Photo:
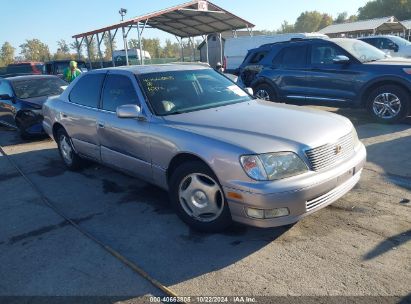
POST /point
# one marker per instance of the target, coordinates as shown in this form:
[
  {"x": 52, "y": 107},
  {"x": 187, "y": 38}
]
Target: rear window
[
  {"x": 294, "y": 56},
  {"x": 25, "y": 68},
  {"x": 87, "y": 90},
  {"x": 31, "y": 88}
]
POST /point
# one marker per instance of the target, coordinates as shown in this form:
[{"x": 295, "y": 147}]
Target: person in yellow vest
[{"x": 71, "y": 72}]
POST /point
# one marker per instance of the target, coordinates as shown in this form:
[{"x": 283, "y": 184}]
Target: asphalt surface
[{"x": 358, "y": 246}]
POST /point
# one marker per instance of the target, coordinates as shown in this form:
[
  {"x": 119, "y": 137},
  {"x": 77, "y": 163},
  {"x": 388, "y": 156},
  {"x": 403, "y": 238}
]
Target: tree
[
  {"x": 308, "y": 22},
  {"x": 325, "y": 21},
  {"x": 63, "y": 50},
  {"x": 133, "y": 44},
  {"x": 382, "y": 8},
  {"x": 107, "y": 52},
  {"x": 35, "y": 50},
  {"x": 171, "y": 50},
  {"x": 341, "y": 18},
  {"x": 286, "y": 28},
  {"x": 7, "y": 53}
]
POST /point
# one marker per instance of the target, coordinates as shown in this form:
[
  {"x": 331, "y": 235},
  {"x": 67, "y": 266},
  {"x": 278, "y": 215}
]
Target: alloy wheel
[
  {"x": 386, "y": 105},
  {"x": 262, "y": 94},
  {"x": 66, "y": 149}
]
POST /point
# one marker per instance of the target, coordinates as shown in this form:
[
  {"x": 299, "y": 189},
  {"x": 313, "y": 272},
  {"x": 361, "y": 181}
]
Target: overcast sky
[{"x": 52, "y": 20}]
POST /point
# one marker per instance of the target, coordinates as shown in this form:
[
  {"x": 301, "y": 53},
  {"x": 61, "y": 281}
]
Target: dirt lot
[{"x": 359, "y": 246}]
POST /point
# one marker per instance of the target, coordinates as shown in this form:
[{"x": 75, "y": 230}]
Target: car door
[
  {"x": 330, "y": 81},
  {"x": 7, "y": 106},
  {"x": 289, "y": 71},
  {"x": 79, "y": 115},
  {"x": 124, "y": 141}
]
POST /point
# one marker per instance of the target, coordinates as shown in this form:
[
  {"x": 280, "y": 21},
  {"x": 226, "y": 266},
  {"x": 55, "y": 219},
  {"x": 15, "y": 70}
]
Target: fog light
[
  {"x": 255, "y": 213},
  {"x": 276, "y": 212}
]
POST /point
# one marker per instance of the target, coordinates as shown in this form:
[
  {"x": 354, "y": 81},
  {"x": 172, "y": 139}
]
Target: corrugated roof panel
[
  {"x": 407, "y": 24},
  {"x": 363, "y": 25}
]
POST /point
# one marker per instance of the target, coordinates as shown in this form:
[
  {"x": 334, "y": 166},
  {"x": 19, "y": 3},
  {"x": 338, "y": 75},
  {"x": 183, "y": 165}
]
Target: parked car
[
  {"x": 21, "y": 100},
  {"x": 390, "y": 44},
  {"x": 24, "y": 68},
  {"x": 338, "y": 72},
  {"x": 220, "y": 153},
  {"x": 57, "y": 67},
  {"x": 235, "y": 49}
]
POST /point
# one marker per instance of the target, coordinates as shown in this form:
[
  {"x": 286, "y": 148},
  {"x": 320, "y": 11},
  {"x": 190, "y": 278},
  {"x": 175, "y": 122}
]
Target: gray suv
[{"x": 220, "y": 153}]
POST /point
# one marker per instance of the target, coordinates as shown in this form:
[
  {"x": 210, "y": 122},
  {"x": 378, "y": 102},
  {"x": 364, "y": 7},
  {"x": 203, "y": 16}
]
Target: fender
[
  {"x": 390, "y": 79},
  {"x": 264, "y": 80}
]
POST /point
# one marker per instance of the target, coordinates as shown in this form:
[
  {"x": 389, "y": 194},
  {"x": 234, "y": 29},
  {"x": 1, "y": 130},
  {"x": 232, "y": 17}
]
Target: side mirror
[
  {"x": 129, "y": 111},
  {"x": 250, "y": 91},
  {"x": 6, "y": 97},
  {"x": 341, "y": 59}
]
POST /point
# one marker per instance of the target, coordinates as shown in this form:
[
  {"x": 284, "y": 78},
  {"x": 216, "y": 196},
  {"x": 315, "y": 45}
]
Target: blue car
[
  {"x": 22, "y": 98},
  {"x": 337, "y": 72}
]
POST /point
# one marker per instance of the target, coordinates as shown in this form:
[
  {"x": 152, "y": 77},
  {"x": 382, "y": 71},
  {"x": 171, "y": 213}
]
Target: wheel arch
[
  {"x": 181, "y": 158},
  {"x": 264, "y": 80},
  {"x": 380, "y": 82},
  {"x": 57, "y": 126}
]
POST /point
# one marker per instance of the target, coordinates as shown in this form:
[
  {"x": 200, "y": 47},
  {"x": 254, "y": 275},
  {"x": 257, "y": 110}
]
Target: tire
[
  {"x": 198, "y": 198},
  {"x": 265, "y": 92},
  {"x": 70, "y": 158},
  {"x": 388, "y": 104}
]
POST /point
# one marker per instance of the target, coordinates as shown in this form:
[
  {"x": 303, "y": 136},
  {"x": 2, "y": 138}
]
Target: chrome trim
[
  {"x": 326, "y": 98},
  {"x": 8, "y": 125}
]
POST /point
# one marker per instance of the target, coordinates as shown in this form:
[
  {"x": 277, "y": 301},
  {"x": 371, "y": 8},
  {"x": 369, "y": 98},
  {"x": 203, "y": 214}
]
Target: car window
[
  {"x": 176, "y": 92},
  {"x": 372, "y": 41},
  {"x": 257, "y": 57},
  {"x": 324, "y": 54},
  {"x": 37, "y": 87},
  {"x": 387, "y": 44},
  {"x": 295, "y": 56},
  {"x": 87, "y": 90},
  {"x": 5, "y": 88},
  {"x": 118, "y": 90}
]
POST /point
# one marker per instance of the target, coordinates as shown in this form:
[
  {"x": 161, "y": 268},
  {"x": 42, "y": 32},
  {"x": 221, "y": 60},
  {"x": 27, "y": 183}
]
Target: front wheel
[
  {"x": 67, "y": 153},
  {"x": 264, "y": 92},
  {"x": 389, "y": 104},
  {"x": 198, "y": 198}
]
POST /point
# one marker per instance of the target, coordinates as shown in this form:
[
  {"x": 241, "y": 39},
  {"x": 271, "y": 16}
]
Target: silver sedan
[{"x": 222, "y": 155}]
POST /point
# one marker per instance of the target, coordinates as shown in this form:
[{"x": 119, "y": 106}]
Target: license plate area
[{"x": 346, "y": 176}]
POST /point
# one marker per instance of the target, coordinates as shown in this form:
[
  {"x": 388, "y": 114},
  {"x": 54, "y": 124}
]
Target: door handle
[
  {"x": 64, "y": 115},
  {"x": 101, "y": 125}
]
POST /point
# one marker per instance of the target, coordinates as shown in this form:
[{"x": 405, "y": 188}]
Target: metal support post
[
  {"x": 207, "y": 54},
  {"x": 221, "y": 48},
  {"x": 88, "y": 42},
  {"x": 110, "y": 38},
  {"x": 139, "y": 44},
  {"x": 125, "y": 44},
  {"x": 99, "y": 40}
]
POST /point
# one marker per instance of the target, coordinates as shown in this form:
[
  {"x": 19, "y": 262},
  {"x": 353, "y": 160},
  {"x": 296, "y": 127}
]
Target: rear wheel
[
  {"x": 198, "y": 197},
  {"x": 67, "y": 153},
  {"x": 265, "y": 92},
  {"x": 388, "y": 104}
]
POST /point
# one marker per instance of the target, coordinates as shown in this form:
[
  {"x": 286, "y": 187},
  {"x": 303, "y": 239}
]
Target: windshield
[
  {"x": 176, "y": 92},
  {"x": 360, "y": 49},
  {"x": 30, "y": 88},
  {"x": 399, "y": 40}
]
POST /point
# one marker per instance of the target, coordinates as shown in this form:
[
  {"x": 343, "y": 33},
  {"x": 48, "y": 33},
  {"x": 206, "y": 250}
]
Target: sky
[{"x": 52, "y": 20}]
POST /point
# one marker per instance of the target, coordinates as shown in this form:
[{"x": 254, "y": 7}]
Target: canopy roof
[
  {"x": 379, "y": 24},
  {"x": 194, "y": 18},
  {"x": 407, "y": 24}
]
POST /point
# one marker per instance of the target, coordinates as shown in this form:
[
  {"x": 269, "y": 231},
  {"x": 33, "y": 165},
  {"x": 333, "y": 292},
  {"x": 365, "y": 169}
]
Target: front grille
[
  {"x": 334, "y": 194},
  {"x": 326, "y": 156}
]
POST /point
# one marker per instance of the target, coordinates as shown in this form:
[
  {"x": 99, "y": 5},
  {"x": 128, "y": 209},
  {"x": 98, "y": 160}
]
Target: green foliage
[
  {"x": 63, "y": 51},
  {"x": 6, "y": 54},
  {"x": 35, "y": 50},
  {"x": 383, "y": 8},
  {"x": 312, "y": 21},
  {"x": 107, "y": 52}
]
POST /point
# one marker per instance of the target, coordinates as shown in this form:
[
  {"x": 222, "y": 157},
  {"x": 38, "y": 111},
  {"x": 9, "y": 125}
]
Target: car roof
[
  {"x": 156, "y": 68},
  {"x": 64, "y": 60},
  {"x": 292, "y": 41},
  {"x": 378, "y": 36},
  {"x": 25, "y": 63},
  {"x": 29, "y": 77}
]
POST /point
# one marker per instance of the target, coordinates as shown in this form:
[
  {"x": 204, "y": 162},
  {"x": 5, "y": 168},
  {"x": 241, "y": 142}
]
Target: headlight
[{"x": 272, "y": 166}]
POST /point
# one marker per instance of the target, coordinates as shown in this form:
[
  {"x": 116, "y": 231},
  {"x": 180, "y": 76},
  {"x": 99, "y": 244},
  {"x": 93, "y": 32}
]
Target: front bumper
[{"x": 308, "y": 195}]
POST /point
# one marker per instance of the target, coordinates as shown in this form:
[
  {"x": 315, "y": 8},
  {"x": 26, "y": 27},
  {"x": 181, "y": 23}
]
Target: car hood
[
  {"x": 260, "y": 126},
  {"x": 392, "y": 61},
  {"x": 37, "y": 102}
]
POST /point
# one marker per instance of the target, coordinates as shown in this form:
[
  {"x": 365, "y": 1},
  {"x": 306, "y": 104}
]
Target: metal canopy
[{"x": 190, "y": 19}]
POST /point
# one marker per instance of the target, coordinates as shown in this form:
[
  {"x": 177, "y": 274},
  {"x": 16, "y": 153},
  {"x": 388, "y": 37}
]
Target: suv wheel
[
  {"x": 198, "y": 198},
  {"x": 389, "y": 104},
  {"x": 264, "y": 92},
  {"x": 67, "y": 153}
]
